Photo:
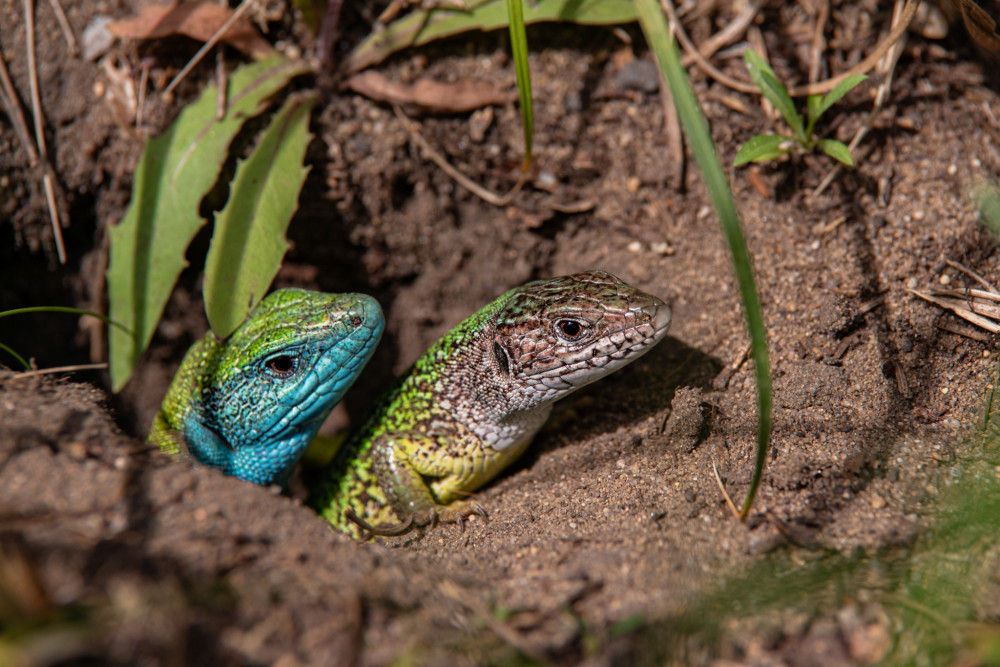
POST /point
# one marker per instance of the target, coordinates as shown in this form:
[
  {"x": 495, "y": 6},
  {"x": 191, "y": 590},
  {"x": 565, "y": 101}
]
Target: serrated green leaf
[
  {"x": 759, "y": 148},
  {"x": 423, "y": 26},
  {"x": 175, "y": 172},
  {"x": 838, "y": 92},
  {"x": 764, "y": 78},
  {"x": 248, "y": 241},
  {"x": 837, "y": 150}
]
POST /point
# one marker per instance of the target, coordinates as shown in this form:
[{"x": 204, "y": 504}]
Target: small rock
[{"x": 638, "y": 75}]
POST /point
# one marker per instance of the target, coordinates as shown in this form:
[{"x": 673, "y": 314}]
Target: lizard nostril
[{"x": 356, "y": 321}]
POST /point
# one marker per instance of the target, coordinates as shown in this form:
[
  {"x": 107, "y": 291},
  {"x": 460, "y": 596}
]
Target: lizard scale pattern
[
  {"x": 249, "y": 405},
  {"x": 471, "y": 404}
]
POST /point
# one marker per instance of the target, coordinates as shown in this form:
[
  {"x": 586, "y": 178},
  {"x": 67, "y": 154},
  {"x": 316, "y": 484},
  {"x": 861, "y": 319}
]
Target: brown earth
[{"x": 112, "y": 553}]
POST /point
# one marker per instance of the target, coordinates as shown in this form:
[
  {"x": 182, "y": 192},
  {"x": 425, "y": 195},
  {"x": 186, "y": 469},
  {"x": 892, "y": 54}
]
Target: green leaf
[
  {"x": 986, "y": 196},
  {"x": 175, "y": 172},
  {"x": 813, "y": 111},
  {"x": 519, "y": 48},
  {"x": 838, "y": 92},
  {"x": 249, "y": 237},
  {"x": 764, "y": 78},
  {"x": 654, "y": 27},
  {"x": 837, "y": 150},
  {"x": 760, "y": 148},
  {"x": 423, "y": 26}
]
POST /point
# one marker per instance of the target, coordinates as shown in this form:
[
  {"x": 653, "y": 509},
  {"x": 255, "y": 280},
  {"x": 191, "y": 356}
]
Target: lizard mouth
[{"x": 661, "y": 320}]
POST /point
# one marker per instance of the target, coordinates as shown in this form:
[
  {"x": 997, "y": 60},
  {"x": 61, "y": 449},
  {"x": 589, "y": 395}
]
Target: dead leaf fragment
[
  {"x": 197, "y": 20},
  {"x": 430, "y": 95}
]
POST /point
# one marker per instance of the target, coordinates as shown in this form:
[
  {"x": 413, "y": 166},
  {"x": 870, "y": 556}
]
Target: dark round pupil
[
  {"x": 570, "y": 328},
  {"x": 282, "y": 364}
]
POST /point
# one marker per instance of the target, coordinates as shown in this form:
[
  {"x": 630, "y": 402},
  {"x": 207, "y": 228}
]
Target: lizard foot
[{"x": 457, "y": 513}]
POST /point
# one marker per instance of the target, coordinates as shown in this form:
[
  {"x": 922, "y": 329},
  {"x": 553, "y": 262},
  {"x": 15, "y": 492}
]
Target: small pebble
[
  {"x": 945, "y": 279},
  {"x": 635, "y": 246},
  {"x": 952, "y": 169}
]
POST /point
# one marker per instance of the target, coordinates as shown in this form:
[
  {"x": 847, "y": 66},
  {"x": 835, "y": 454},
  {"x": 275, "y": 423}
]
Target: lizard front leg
[{"x": 422, "y": 481}]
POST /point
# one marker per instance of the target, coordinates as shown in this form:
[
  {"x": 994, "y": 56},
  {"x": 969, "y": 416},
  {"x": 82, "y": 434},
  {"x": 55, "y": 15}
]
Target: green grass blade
[
  {"x": 423, "y": 26},
  {"x": 65, "y": 309},
  {"x": 17, "y": 356},
  {"x": 519, "y": 47},
  {"x": 837, "y": 150},
  {"x": 760, "y": 147},
  {"x": 986, "y": 196},
  {"x": 175, "y": 172},
  {"x": 249, "y": 237},
  {"x": 764, "y": 78},
  {"x": 654, "y": 27}
]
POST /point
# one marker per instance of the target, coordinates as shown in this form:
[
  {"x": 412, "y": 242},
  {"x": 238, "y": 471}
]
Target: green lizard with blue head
[
  {"x": 250, "y": 404},
  {"x": 472, "y": 403}
]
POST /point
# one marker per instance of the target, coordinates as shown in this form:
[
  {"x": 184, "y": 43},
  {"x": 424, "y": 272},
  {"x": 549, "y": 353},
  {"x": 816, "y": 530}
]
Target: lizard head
[
  {"x": 268, "y": 387},
  {"x": 552, "y": 337}
]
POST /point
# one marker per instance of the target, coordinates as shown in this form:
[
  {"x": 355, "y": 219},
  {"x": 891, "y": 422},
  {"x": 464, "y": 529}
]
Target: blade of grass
[
  {"x": 14, "y": 354},
  {"x": 654, "y": 27},
  {"x": 66, "y": 309},
  {"x": 519, "y": 47}
]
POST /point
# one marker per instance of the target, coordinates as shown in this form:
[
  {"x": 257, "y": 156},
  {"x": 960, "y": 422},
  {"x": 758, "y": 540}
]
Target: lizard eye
[
  {"x": 570, "y": 330},
  {"x": 281, "y": 365}
]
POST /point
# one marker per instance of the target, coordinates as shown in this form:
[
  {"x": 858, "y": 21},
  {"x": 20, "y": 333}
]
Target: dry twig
[
  {"x": 36, "y": 112},
  {"x": 67, "y": 31},
  {"x": 888, "y": 68},
  {"x": 459, "y": 177},
  {"x": 809, "y": 89},
  {"x": 196, "y": 58}
]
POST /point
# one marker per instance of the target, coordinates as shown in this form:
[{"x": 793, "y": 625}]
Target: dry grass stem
[
  {"x": 976, "y": 306},
  {"x": 39, "y": 120},
  {"x": 459, "y": 177},
  {"x": 887, "y": 68},
  {"x": 810, "y": 89},
  {"x": 725, "y": 494},
  {"x": 818, "y": 42},
  {"x": 12, "y": 105},
  {"x": 67, "y": 31},
  {"x": 196, "y": 58},
  {"x": 975, "y": 276},
  {"x": 60, "y": 369}
]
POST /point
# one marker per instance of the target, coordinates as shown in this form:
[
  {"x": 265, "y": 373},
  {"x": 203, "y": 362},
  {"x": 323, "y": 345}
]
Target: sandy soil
[{"x": 612, "y": 524}]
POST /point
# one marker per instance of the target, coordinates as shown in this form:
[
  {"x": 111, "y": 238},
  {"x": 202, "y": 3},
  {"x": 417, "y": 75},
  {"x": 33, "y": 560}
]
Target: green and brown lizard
[
  {"x": 249, "y": 404},
  {"x": 472, "y": 403}
]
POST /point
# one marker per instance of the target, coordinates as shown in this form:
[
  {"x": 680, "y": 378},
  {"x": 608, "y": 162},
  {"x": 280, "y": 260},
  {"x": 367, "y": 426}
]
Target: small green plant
[
  {"x": 763, "y": 147},
  {"x": 176, "y": 171}
]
